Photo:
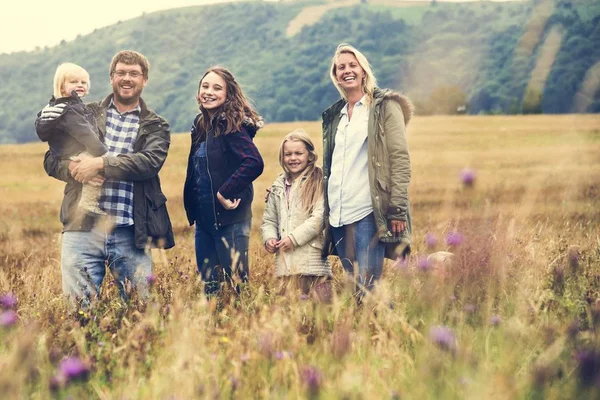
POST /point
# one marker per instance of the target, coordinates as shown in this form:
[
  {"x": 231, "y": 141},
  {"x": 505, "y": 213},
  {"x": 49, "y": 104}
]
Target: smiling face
[
  {"x": 127, "y": 82},
  {"x": 348, "y": 72},
  {"x": 295, "y": 158},
  {"x": 78, "y": 83},
  {"x": 212, "y": 92}
]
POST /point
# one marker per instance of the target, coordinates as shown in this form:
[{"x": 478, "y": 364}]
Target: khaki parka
[{"x": 389, "y": 166}]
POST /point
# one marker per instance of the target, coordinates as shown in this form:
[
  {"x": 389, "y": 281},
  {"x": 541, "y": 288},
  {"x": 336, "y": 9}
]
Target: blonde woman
[
  {"x": 366, "y": 167},
  {"x": 293, "y": 220}
]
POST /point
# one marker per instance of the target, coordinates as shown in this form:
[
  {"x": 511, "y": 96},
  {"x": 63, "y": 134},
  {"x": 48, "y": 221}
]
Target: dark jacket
[
  {"x": 388, "y": 168},
  {"x": 73, "y": 132},
  {"x": 233, "y": 164},
  {"x": 151, "y": 220}
]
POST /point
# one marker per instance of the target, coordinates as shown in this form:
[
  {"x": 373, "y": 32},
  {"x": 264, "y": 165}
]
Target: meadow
[{"x": 515, "y": 314}]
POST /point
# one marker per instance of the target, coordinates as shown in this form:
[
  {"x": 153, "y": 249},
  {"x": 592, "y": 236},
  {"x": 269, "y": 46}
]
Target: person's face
[
  {"x": 212, "y": 93},
  {"x": 77, "y": 83},
  {"x": 295, "y": 157},
  {"x": 128, "y": 82},
  {"x": 349, "y": 73}
]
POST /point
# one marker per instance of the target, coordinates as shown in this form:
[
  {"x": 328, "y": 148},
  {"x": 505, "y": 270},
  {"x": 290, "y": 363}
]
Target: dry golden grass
[{"x": 537, "y": 192}]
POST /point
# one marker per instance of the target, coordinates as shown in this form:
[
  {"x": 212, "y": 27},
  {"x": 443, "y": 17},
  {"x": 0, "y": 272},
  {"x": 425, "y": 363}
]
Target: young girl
[
  {"x": 293, "y": 220},
  {"x": 74, "y": 133},
  {"x": 222, "y": 165}
]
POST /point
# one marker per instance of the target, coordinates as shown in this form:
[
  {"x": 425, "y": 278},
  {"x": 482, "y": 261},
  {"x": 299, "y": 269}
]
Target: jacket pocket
[
  {"x": 157, "y": 217},
  {"x": 383, "y": 184}
]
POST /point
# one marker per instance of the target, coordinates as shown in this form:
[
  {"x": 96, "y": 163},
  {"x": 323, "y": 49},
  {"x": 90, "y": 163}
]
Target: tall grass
[{"x": 514, "y": 313}]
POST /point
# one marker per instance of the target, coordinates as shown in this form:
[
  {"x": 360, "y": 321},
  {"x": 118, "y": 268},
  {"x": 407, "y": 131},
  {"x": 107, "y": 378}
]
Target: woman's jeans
[
  {"x": 221, "y": 253},
  {"x": 360, "y": 250}
]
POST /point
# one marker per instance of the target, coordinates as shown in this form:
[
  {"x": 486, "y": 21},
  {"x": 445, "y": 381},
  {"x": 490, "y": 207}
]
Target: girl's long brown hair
[
  {"x": 230, "y": 116},
  {"x": 311, "y": 180}
]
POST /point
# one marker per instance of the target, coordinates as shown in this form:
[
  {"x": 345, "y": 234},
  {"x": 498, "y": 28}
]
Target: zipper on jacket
[{"x": 211, "y": 183}]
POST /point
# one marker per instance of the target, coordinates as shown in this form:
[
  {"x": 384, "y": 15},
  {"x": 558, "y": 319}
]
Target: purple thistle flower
[
  {"x": 454, "y": 239},
  {"x": 431, "y": 240},
  {"x": 443, "y": 337},
  {"x": 423, "y": 264},
  {"x": 467, "y": 177},
  {"x": 8, "y": 318},
  {"x": 235, "y": 383},
  {"x": 73, "y": 368},
  {"x": 8, "y": 301},
  {"x": 151, "y": 279},
  {"x": 245, "y": 357},
  {"x": 303, "y": 297},
  {"x": 280, "y": 355},
  {"x": 312, "y": 378},
  {"x": 495, "y": 320}
]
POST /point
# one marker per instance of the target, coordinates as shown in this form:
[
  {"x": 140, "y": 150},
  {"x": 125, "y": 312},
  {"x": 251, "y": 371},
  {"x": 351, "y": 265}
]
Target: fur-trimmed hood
[{"x": 387, "y": 94}]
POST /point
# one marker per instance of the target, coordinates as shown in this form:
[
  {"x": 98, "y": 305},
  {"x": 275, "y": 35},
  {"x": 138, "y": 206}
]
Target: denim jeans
[
  {"x": 221, "y": 253},
  {"x": 85, "y": 256},
  {"x": 360, "y": 250}
]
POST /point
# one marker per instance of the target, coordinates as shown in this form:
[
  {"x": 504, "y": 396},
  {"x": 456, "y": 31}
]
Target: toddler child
[{"x": 74, "y": 134}]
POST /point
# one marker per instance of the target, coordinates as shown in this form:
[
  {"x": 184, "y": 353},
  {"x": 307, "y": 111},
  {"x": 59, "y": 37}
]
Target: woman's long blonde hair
[
  {"x": 370, "y": 81},
  {"x": 311, "y": 180}
]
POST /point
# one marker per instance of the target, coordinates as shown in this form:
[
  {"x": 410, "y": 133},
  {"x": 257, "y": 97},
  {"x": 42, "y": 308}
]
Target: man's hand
[
  {"x": 87, "y": 170},
  {"x": 285, "y": 244},
  {"x": 226, "y": 203},
  {"x": 50, "y": 113},
  {"x": 271, "y": 245}
]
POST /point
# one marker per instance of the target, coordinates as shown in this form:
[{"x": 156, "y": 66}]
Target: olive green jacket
[{"x": 389, "y": 165}]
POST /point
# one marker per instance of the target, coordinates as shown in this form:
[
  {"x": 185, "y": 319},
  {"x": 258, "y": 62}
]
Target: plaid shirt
[
  {"x": 121, "y": 131},
  {"x": 244, "y": 149}
]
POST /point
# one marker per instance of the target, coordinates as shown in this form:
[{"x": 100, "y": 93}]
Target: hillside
[{"x": 484, "y": 55}]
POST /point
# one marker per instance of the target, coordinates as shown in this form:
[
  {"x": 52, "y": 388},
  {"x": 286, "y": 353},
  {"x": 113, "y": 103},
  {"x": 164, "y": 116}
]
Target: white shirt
[{"x": 348, "y": 190}]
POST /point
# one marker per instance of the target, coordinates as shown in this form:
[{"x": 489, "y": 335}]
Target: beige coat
[{"x": 305, "y": 230}]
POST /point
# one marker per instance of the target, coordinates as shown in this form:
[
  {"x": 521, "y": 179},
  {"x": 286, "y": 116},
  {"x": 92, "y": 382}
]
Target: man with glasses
[{"x": 136, "y": 218}]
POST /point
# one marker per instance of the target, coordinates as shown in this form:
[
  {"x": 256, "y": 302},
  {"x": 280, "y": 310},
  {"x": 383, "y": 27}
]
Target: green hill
[{"x": 482, "y": 55}]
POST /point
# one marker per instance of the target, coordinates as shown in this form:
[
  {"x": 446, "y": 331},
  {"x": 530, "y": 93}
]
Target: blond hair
[
  {"x": 66, "y": 71},
  {"x": 311, "y": 180},
  {"x": 370, "y": 81}
]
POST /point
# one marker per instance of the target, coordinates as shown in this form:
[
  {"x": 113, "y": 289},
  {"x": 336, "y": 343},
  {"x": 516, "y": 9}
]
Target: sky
[{"x": 27, "y": 24}]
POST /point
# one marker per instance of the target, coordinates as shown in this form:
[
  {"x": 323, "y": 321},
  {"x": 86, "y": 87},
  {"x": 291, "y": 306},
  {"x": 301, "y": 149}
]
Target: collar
[
  {"x": 137, "y": 110},
  {"x": 359, "y": 103}
]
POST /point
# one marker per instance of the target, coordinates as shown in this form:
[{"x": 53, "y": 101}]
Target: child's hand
[
  {"x": 285, "y": 244},
  {"x": 226, "y": 203},
  {"x": 271, "y": 246}
]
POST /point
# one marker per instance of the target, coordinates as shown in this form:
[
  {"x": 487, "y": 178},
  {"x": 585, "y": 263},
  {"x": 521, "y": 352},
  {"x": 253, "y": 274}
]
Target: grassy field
[{"x": 515, "y": 315}]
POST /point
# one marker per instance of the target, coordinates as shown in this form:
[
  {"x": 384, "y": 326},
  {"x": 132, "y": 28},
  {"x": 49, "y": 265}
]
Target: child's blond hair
[
  {"x": 312, "y": 187},
  {"x": 66, "y": 71}
]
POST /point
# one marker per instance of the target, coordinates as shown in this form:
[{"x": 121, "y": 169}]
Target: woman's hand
[
  {"x": 271, "y": 246},
  {"x": 397, "y": 226},
  {"x": 226, "y": 203},
  {"x": 285, "y": 244}
]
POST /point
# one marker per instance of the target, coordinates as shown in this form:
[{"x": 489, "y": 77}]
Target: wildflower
[
  {"x": 8, "y": 301},
  {"x": 73, "y": 368},
  {"x": 431, "y": 240},
  {"x": 470, "y": 308},
  {"x": 235, "y": 383},
  {"x": 467, "y": 177},
  {"x": 8, "y": 318},
  {"x": 589, "y": 366},
  {"x": 443, "y": 337},
  {"x": 303, "y": 297},
  {"x": 245, "y": 357},
  {"x": 151, "y": 279},
  {"x": 454, "y": 239},
  {"x": 401, "y": 263},
  {"x": 423, "y": 264},
  {"x": 280, "y": 355},
  {"x": 312, "y": 379},
  {"x": 495, "y": 320}
]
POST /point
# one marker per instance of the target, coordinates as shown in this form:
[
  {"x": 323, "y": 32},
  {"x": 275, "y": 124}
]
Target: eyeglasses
[{"x": 122, "y": 74}]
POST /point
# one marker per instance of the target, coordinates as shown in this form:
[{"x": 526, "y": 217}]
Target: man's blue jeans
[
  {"x": 85, "y": 256},
  {"x": 360, "y": 250},
  {"x": 222, "y": 254}
]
